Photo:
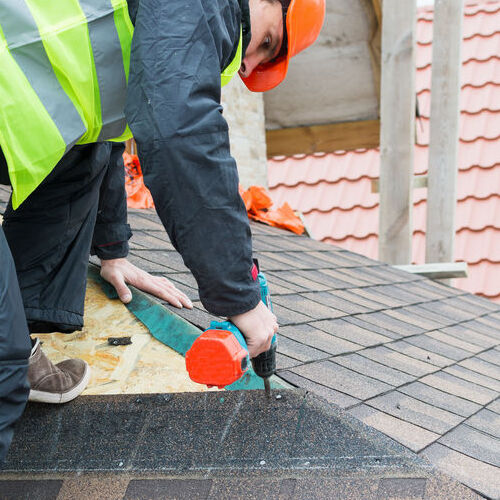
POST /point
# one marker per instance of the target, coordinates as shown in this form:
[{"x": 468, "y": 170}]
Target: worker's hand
[
  {"x": 258, "y": 327},
  {"x": 119, "y": 272}
]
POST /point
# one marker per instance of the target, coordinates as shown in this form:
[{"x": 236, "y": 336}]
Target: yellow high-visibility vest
[{"x": 64, "y": 68}]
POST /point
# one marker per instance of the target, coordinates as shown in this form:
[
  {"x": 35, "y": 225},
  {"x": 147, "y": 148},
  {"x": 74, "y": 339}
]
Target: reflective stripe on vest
[
  {"x": 48, "y": 103},
  {"x": 234, "y": 65}
]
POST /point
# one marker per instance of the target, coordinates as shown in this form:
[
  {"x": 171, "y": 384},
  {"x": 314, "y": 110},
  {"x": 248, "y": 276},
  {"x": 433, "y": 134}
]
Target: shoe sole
[{"x": 58, "y": 398}]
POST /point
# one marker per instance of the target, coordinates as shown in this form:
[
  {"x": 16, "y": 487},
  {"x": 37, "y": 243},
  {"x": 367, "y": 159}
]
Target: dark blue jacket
[{"x": 174, "y": 111}]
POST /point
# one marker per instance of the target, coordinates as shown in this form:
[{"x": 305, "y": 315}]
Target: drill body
[{"x": 219, "y": 356}]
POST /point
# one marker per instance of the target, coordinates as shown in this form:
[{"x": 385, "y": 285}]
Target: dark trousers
[
  {"x": 51, "y": 234},
  {"x": 15, "y": 348}
]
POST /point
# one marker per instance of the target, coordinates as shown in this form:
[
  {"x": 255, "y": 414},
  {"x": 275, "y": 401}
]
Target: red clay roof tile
[{"x": 334, "y": 190}]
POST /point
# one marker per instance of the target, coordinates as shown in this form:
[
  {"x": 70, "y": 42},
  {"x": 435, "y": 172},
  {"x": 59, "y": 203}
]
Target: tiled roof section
[{"x": 334, "y": 191}]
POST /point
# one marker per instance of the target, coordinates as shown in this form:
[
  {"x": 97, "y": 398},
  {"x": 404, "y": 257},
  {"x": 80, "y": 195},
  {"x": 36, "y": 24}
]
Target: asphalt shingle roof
[{"x": 417, "y": 360}]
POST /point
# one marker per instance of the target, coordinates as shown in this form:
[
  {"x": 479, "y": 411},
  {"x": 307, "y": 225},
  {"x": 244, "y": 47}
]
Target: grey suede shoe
[{"x": 55, "y": 383}]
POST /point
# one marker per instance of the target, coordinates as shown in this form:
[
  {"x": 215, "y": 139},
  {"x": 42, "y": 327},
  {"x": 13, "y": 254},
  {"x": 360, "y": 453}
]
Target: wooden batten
[
  {"x": 344, "y": 136},
  {"x": 437, "y": 270}
]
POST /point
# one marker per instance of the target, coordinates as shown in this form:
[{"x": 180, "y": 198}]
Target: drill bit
[{"x": 267, "y": 387}]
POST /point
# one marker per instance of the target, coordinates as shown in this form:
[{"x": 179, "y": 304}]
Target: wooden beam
[
  {"x": 437, "y": 270},
  {"x": 131, "y": 147},
  {"x": 323, "y": 138},
  {"x": 376, "y": 45},
  {"x": 444, "y": 130},
  {"x": 397, "y": 131}
]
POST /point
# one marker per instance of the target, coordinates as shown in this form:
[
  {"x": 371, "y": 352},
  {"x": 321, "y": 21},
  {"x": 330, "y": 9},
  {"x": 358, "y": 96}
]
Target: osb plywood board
[{"x": 145, "y": 366}]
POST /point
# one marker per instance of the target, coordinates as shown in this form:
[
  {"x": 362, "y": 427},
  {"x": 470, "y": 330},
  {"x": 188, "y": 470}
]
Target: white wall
[{"x": 244, "y": 112}]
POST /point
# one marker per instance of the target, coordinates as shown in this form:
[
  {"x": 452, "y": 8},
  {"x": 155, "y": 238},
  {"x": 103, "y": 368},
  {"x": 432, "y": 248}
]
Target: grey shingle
[
  {"x": 308, "y": 307},
  {"x": 463, "y": 333},
  {"x": 371, "y": 294},
  {"x": 437, "y": 320},
  {"x": 453, "y": 341},
  {"x": 351, "y": 332},
  {"x": 355, "y": 299},
  {"x": 472, "y": 376},
  {"x": 408, "y": 488},
  {"x": 305, "y": 283},
  {"x": 433, "y": 345},
  {"x": 398, "y": 361},
  {"x": 486, "y": 421},
  {"x": 478, "y": 475},
  {"x": 373, "y": 369},
  {"x": 416, "y": 412},
  {"x": 491, "y": 356},
  {"x": 299, "y": 351},
  {"x": 399, "y": 293},
  {"x": 341, "y": 379},
  {"x": 473, "y": 443},
  {"x": 460, "y": 387},
  {"x": 413, "y": 317},
  {"x": 308, "y": 335},
  {"x": 394, "y": 325},
  {"x": 410, "y": 435},
  {"x": 482, "y": 304},
  {"x": 288, "y": 316},
  {"x": 440, "y": 399},
  {"x": 348, "y": 277},
  {"x": 327, "y": 277},
  {"x": 441, "y": 308},
  {"x": 332, "y": 300},
  {"x": 356, "y": 320},
  {"x": 331, "y": 395},
  {"x": 483, "y": 367},
  {"x": 422, "y": 354},
  {"x": 493, "y": 332}
]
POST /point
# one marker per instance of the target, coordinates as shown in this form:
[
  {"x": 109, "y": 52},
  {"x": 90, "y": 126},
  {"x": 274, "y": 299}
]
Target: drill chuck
[{"x": 264, "y": 365}]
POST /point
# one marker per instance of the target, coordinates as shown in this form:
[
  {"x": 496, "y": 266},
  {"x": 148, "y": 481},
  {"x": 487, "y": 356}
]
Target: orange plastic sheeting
[
  {"x": 138, "y": 195},
  {"x": 258, "y": 204}
]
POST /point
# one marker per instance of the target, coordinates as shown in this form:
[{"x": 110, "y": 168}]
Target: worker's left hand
[{"x": 120, "y": 272}]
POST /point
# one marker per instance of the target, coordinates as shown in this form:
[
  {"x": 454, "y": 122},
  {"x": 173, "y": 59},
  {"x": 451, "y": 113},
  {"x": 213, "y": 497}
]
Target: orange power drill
[{"x": 219, "y": 356}]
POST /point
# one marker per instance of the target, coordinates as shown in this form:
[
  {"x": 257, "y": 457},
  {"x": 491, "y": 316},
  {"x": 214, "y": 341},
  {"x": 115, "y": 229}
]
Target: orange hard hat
[{"x": 304, "y": 19}]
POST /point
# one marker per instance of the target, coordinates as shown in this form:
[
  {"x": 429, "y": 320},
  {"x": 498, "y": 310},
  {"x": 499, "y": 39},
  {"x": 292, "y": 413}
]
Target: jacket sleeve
[
  {"x": 174, "y": 111},
  {"x": 111, "y": 231}
]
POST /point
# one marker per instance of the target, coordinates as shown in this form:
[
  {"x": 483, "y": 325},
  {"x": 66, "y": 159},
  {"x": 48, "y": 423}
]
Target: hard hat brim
[{"x": 267, "y": 76}]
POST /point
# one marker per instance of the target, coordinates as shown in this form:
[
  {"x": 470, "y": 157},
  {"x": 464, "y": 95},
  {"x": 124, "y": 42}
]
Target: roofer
[{"x": 64, "y": 86}]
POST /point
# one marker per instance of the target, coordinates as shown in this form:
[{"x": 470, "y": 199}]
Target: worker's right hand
[{"x": 258, "y": 327}]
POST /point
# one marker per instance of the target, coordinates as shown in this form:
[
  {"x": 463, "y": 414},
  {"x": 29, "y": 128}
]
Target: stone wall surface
[{"x": 244, "y": 112}]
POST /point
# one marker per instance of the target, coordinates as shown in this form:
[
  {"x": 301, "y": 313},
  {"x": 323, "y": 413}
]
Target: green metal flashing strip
[{"x": 172, "y": 330}]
